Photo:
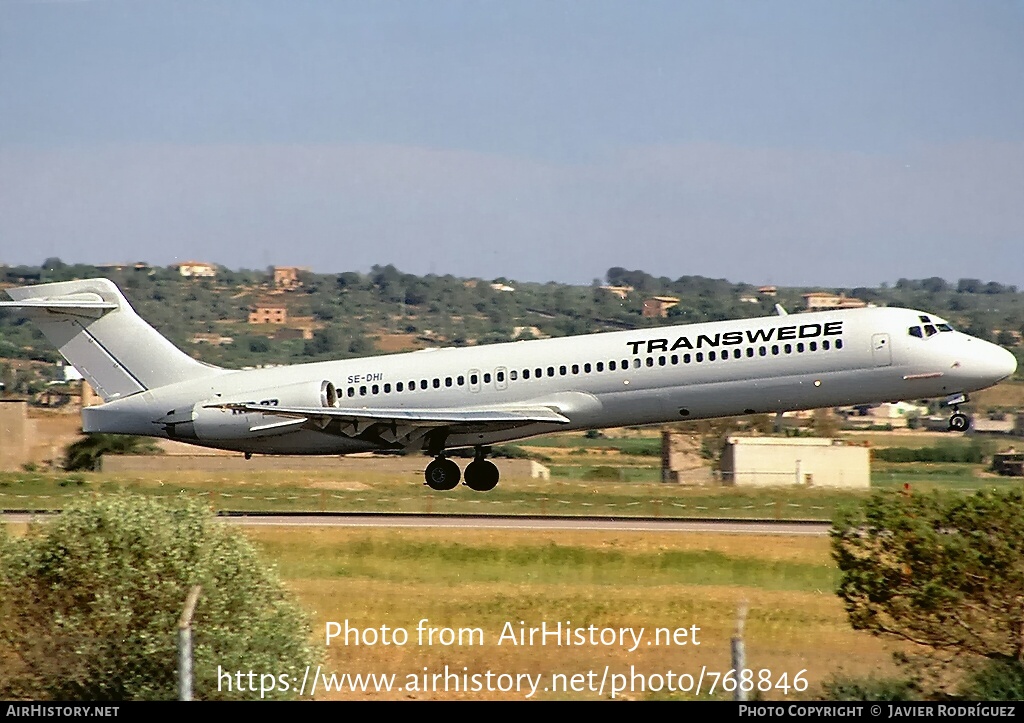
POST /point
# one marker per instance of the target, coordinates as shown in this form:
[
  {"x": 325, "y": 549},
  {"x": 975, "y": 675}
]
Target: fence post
[
  {"x": 185, "y": 644},
  {"x": 739, "y": 654}
]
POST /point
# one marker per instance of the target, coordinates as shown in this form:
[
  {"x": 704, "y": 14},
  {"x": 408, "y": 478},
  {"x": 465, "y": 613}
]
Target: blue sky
[{"x": 829, "y": 144}]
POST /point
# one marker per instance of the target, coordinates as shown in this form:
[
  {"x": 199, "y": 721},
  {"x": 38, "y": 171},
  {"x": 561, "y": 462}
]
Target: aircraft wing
[{"x": 402, "y": 426}]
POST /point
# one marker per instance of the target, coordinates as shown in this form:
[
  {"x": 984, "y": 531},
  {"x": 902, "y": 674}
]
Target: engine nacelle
[{"x": 207, "y": 423}]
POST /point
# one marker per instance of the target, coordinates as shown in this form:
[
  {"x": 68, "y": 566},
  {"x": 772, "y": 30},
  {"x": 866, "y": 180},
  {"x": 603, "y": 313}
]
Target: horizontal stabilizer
[{"x": 86, "y": 304}]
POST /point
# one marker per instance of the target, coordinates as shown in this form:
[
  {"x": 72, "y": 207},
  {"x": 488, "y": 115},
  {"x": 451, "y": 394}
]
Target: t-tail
[{"x": 98, "y": 332}]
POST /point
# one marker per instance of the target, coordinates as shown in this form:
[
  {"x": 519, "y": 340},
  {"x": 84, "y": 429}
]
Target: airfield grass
[
  {"x": 334, "y": 491},
  {"x": 476, "y": 579}
]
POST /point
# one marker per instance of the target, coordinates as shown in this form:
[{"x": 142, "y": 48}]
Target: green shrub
[
  {"x": 873, "y": 689},
  {"x": 90, "y": 604},
  {"x": 995, "y": 680}
]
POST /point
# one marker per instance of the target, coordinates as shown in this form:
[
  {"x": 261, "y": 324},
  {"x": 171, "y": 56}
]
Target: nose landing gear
[{"x": 958, "y": 422}]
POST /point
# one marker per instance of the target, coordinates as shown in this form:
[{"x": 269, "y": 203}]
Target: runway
[{"x": 497, "y": 522}]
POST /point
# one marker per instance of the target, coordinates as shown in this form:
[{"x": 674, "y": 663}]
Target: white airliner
[{"x": 441, "y": 399}]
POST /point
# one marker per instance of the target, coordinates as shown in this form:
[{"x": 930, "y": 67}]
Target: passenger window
[
  {"x": 538, "y": 372},
  {"x": 813, "y": 346},
  {"x": 700, "y": 356},
  {"x": 762, "y": 351},
  {"x": 437, "y": 383},
  {"x": 362, "y": 391},
  {"x": 788, "y": 348},
  {"x": 839, "y": 343},
  {"x": 611, "y": 366},
  {"x": 586, "y": 368},
  {"x": 675, "y": 359},
  {"x": 750, "y": 351},
  {"x": 551, "y": 371},
  {"x": 487, "y": 377},
  {"x": 513, "y": 375},
  {"x": 775, "y": 349},
  {"x": 351, "y": 391},
  {"x": 562, "y": 370},
  {"x": 711, "y": 356},
  {"x": 447, "y": 381},
  {"x": 375, "y": 389},
  {"x": 686, "y": 358},
  {"x": 800, "y": 347},
  {"x": 461, "y": 380},
  {"x": 600, "y": 366},
  {"x": 526, "y": 373},
  {"x": 399, "y": 387},
  {"x": 474, "y": 379},
  {"x": 661, "y": 361},
  {"x": 500, "y": 376},
  {"x": 387, "y": 389},
  {"x": 736, "y": 354},
  {"x": 636, "y": 363},
  {"x": 650, "y": 361},
  {"x": 825, "y": 345}
]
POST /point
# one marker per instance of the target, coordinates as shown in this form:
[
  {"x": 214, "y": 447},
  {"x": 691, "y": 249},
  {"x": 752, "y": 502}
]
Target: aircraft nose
[
  {"x": 983, "y": 364},
  {"x": 1004, "y": 363}
]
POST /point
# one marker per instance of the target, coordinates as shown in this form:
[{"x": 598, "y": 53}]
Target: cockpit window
[
  {"x": 944, "y": 327},
  {"x": 925, "y": 319},
  {"x": 929, "y": 330},
  {"x": 915, "y": 331}
]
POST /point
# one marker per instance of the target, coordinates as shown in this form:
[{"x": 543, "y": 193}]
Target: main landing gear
[
  {"x": 481, "y": 475},
  {"x": 959, "y": 422}
]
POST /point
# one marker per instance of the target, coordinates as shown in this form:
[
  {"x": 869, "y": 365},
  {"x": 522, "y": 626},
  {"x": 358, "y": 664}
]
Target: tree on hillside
[
  {"x": 943, "y": 572},
  {"x": 89, "y": 605}
]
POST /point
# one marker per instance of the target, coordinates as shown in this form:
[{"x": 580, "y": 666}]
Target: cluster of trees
[
  {"x": 354, "y": 309},
  {"x": 944, "y": 574}
]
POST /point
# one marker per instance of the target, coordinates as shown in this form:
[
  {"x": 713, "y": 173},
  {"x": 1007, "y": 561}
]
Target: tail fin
[{"x": 95, "y": 328}]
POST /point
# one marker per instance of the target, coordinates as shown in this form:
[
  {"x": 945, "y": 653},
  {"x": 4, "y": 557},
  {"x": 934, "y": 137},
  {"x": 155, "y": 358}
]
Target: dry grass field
[{"x": 468, "y": 579}]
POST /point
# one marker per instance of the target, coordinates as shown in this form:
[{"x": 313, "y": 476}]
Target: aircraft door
[
  {"x": 881, "y": 350},
  {"x": 474, "y": 380},
  {"x": 501, "y": 378}
]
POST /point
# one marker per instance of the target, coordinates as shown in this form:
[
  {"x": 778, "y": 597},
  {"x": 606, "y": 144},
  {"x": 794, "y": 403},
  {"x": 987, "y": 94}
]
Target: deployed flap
[{"x": 504, "y": 417}]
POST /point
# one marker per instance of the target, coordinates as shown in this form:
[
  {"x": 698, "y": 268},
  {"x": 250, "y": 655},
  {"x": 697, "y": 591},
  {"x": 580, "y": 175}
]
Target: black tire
[
  {"x": 442, "y": 475},
  {"x": 959, "y": 422},
  {"x": 482, "y": 476}
]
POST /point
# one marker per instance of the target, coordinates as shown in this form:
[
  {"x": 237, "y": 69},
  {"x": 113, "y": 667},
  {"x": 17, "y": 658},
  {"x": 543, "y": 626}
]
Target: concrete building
[
  {"x": 287, "y": 277},
  {"x": 15, "y": 431},
  {"x": 34, "y": 436},
  {"x": 824, "y": 301},
  {"x": 785, "y": 461},
  {"x": 197, "y": 269},
  {"x": 268, "y": 313},
  {"x": 681, "y": 461},
  {"x": 410, "y": 467},
  {"x": 620, "y": 291},
  {"x": 656, "y": 307}
]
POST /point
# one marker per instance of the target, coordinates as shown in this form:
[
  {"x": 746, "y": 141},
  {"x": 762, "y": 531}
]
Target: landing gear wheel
[
  {"x": 442, "y": 475},
  {"x": 481, "y": 475},
  {"x": 959, "y": 422}
]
